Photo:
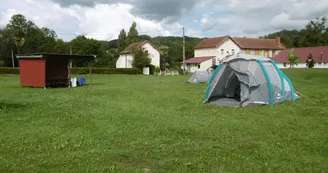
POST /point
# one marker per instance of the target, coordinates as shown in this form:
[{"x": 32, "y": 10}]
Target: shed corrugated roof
[
  {"x": 303, "y": 53},
  {"x": 49, "y": 56}
]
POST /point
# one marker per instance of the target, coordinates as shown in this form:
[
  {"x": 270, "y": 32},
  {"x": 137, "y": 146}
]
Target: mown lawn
[{"x": 128, "y": 123}]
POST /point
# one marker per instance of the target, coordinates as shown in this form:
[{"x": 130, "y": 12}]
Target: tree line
[
  {"x": 315, "y": 33},
  {"x": 22, "y": 36}
]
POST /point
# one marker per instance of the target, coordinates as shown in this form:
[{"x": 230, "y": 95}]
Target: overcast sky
[{"x": 103, "y": 19}]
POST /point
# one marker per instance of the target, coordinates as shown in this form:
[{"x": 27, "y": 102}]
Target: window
[
  {"x": 233, "y": 51},
  {"x": 285, "y": 65},
  {"x": 325, "y": 64},
  {"x": 198, "y": 66},
  {"x": 222, "y": 51}
]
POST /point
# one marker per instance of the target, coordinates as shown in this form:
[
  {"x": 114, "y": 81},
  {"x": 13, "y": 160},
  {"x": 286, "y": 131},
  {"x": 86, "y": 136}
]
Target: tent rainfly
[
  {"x": 45, "y": 70},
  {"x": 247, "y": 80},
  {"x": 200, "y": 76}
]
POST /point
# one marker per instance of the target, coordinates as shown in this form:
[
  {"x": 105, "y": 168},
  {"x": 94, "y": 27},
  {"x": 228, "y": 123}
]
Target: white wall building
[
  {"x": 221, "y": 47},
  {"x": 126, "y": 57},
  {"x": 319, "y": 54},
  {"x": 196, "y": 63}
]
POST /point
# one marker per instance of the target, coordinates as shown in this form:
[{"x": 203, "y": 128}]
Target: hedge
[
  {"x": 9, "y": 70},
  {"x": 83, "y": 70}
]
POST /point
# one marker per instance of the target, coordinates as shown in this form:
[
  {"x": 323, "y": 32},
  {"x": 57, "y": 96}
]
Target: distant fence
[{"x": 83, "y": 70}]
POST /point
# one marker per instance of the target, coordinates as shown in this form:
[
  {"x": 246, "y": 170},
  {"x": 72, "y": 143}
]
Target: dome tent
[
  {"x": 200, "y": 76},
  {"x": 245, "y": 80}
]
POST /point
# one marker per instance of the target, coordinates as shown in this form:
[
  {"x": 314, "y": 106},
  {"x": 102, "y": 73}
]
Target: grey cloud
[
  {"x": 67, "y": 3},
  {"x": 161, "y": 9},
  {"x": 157, "y": 10}
]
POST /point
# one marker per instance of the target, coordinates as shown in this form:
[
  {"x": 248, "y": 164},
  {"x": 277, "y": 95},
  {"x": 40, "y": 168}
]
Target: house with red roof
[
  {"x": 319, "y": 54},
  {"x": 126, "y": 56},
  {"x": 220, "y": 47},
  {"x": 196, "y": 63}
]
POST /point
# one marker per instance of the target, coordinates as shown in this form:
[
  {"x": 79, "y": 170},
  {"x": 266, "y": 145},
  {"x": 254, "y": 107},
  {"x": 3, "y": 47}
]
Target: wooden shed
[{"x": 45, "y": 70}]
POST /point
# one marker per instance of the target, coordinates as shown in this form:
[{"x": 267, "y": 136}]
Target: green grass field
[{"x": 128, "y": 123}]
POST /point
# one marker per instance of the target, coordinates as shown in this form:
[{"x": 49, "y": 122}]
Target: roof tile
[
  {"x": 196, "y": 60},
  {"x": 132, "y": 46},
  {"x": 244, "y": 43}
]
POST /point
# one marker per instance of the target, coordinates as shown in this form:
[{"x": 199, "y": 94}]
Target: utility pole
[
  {"x": 12, "y": 58},
  {"x": 184, "y": 50}
]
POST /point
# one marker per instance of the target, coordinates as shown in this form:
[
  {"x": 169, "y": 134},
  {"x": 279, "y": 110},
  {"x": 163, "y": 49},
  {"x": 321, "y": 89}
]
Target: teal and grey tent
[
  {"x": 245, "y": 80},
  {"x": 200, "y": 76}
]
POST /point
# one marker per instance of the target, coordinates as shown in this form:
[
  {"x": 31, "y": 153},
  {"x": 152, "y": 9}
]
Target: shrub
[
  {"x": 124, "y": 71},
  {"x": 83, "y": 70},
  {"x": 141, "y": 58},
  {"x": 9, "y": 70},
  {"x": 310, "y": 61},
  {"x": 152, "y": 69},
  {"x": 80, "y": 70},
  {"x": 86, "y": 70}
]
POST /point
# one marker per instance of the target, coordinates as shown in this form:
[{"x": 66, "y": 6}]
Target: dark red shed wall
[{"x": 32, "y": 72}]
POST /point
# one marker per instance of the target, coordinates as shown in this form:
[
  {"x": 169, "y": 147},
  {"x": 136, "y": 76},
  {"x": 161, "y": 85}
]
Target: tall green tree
[
  {"x": 314, "y": 33},
  {"x": 61, "y": 47},
  {"x": 85, "y": 46},
  {"x": 164, "y": 58},
  {"x": 133, "y": 34},
  {"x": 292, "y": 59},
  {"x": 122, "y": 41},
  {"x": 19, "y": 27},
  {"x": 287, "y": 37}
]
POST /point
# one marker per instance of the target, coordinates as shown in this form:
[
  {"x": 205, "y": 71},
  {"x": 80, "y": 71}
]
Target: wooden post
[
  {"x": 90, "y": 77},
  {"x": 12, "y": 58},
  {"x": 184, "y": 51},
  {"x": 69, "y": 73}
]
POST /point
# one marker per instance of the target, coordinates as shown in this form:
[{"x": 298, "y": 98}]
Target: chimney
[{"x": 278, "y": 41}]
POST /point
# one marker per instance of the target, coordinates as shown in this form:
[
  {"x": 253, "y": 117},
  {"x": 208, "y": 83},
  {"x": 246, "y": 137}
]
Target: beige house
[
  {"x": 126, "y": 57},
  {"x": 220, "y": 47},
  {"x": 196, "y": 63}
]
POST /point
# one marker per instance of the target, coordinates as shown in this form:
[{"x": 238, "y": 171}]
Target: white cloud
[
  {"x": 194, "y": 33},
  {"x": 101, "y": 21},
  {"x": 215, "y": 17},
  {"x": 204, "y": 20},
  {"x": 254, "y": 18}
]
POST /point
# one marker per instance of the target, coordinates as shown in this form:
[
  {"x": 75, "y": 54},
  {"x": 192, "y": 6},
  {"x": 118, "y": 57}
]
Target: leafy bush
[
  {"x": 83, "y": 70},
  {"x": 152, "y": 69},
  {"x": 124, "y": 71},
  {"x": 9, "y": 70},
  {"x": 80, "y": 70},
  {"x": 310, "y": 61},
  {"x": 2, "y": 64}
]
